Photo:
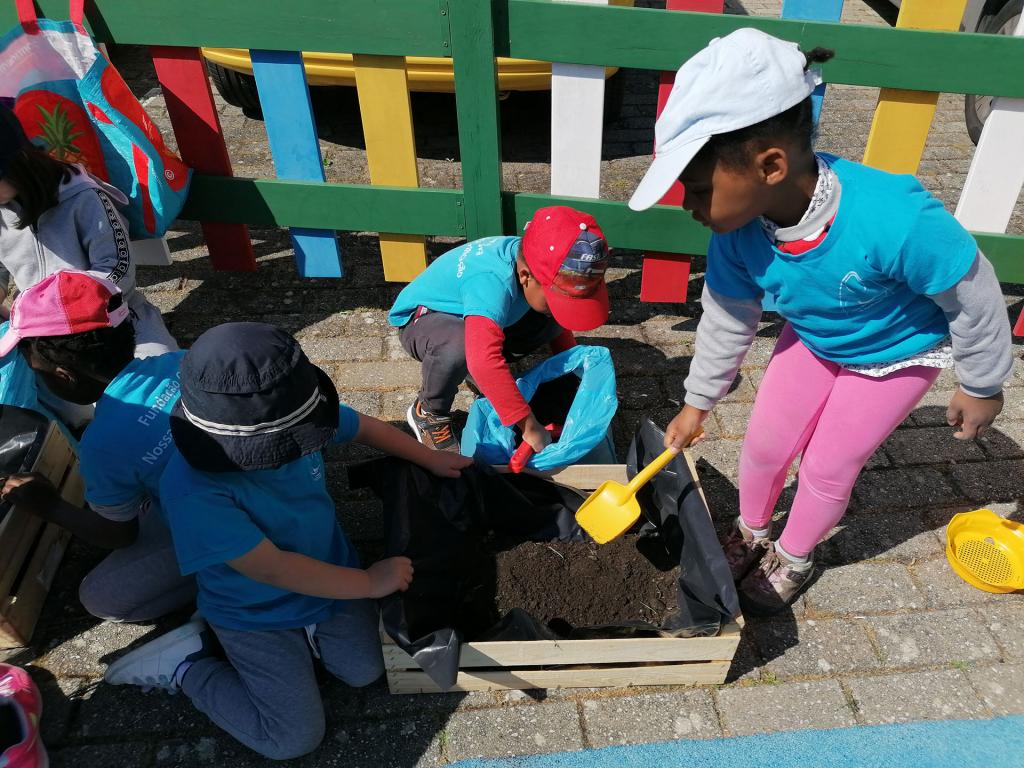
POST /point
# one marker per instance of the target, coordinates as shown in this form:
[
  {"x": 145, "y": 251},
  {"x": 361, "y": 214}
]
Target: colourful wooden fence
[{"x": 473, "y": 33}]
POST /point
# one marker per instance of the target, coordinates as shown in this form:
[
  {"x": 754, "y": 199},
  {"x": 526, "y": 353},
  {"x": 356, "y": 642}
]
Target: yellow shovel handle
[{"x": 657, "y": 465}]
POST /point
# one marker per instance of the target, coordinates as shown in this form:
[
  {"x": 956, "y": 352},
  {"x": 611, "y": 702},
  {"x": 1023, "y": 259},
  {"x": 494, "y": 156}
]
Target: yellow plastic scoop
[
  {"x": 612, "y": 509},
  {"x": 986, "y": 550}
]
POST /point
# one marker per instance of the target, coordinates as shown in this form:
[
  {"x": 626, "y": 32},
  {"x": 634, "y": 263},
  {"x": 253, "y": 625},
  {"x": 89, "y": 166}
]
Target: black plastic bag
[
  {"x": 678, "y": 529},
  {"x": 443, "y": 526},
  {"x": 22, "y": 433}
]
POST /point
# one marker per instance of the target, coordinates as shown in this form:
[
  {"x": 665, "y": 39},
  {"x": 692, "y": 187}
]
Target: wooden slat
[
  {"x": 903, "y": 118},
  {"x": 388, "y": 27},
  {"x": 550, "y": 652},
  {"x": 19, "y": 528},
  {"x": 577, "y": 123},
  {"x": 291, "y": 129},
  {"x": 476, "y": 102},
  {"x": 19, "y": 612},
  {"x": 665, "y": 277},
  {"x": 711, "y": 672},
  {"x": 186, "y": 86},
  {"x": 648, "y": 38},
  {"x": 386, "y": 113}
]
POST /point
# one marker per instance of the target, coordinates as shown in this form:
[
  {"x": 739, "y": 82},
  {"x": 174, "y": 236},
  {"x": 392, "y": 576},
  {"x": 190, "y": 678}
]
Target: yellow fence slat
[
  {"x": 902, "y": 119},
  {"x": 390, "y": 151}
]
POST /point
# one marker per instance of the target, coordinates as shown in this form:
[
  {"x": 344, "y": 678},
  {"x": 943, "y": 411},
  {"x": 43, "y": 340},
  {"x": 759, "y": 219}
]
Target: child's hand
[
  {"x": 972, "y": 414},
  {"x": 388, "y": 576},
  {"x": 32, "y": 492},
  {"x": 446, "y": 463},
  {"x": 684, "y": 426},
  {"x": 535, "y": 434}
]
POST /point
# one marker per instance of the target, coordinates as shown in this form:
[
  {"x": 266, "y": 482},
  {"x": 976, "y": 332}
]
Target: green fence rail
[{"x": 473, "y": 33}]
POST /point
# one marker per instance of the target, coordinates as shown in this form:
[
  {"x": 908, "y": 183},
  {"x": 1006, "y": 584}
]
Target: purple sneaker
[
  {"x": 742, "y": 550},
  {"x": 774, "y": 584}
]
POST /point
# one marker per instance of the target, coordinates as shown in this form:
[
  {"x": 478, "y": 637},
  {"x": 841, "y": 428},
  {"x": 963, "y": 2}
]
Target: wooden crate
[
  {"x": 487, "y": 666},
  {"x": 30, "y": 549}
]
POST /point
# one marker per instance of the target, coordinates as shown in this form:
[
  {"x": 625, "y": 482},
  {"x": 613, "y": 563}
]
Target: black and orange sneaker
[{"x": 431, "y": 429}]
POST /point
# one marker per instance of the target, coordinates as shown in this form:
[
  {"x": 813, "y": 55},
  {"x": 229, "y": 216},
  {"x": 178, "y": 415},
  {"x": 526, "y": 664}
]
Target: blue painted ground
[{"x": 995, "y": 743}]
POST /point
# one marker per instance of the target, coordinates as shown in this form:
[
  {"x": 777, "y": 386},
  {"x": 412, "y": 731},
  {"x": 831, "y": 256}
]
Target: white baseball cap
[{"x": 737, "y": 81}]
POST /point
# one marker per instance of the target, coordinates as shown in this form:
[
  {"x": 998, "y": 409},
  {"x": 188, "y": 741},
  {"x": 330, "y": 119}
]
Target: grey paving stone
[
  {"x": 345, "y": 349},
  {"x": 901, "y": 535},
  {"x": 783, "y": 707},
  {"x": 885, "y": 489},
  {"x": 721, "y": 453},
  {"x": 526, "y": 729},
  {"x": 747, "y": 663},
  {"x": 108, "y": 712},
  {"x": 379, "y": 703},
  {"x": 1005, "y": 620},
  {"x": 863, "y": 589},
  {"x": 415, "y": 742},
  {"x": 1005, "y": 440},
  {"x": 647, "y": 717},
  {"x": 943, "y": 588},
  {"x": 927, "y": 639},
  {"x": 126, "y": 754},
  {"x": 931, "y": 410},
  {"x": 942, "y": 695},
  {"x": 733, "y": 419},
  {"x": 991, "y": 480},
  {"x": 1001, "y": 687},
  {"x": 640, "y": 392},
  {"x": 814, "y": 647},
  {"x": 395, "y": 374},
  {"x": 368, "y": 403},
  {"x": 60, "y": 698},
  {"x": 930, "y": 446},
  {"x": 88, "y": 653}
]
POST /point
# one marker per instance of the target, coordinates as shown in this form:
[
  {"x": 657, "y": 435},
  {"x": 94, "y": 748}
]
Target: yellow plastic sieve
[{"x": 986, "y": 550}]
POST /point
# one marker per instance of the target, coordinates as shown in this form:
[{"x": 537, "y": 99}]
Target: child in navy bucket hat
[
  {"x": 494, "y": 299},
  {"x": 880, "y": 286},
  {"x": 248, "y": 507}
]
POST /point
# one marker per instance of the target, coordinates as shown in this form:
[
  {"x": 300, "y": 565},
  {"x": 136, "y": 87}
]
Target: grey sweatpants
[
  {"x": 141, "y": 581},
  {"x": 265, "y": 694},
  {"x": 438, "y": 341}
]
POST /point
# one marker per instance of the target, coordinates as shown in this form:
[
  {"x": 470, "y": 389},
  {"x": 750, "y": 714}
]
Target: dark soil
[{"x": 580, "y": 582}]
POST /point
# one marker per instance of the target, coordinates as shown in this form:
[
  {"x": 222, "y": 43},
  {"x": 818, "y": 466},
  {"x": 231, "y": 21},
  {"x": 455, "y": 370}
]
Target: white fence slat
[
  {"x": 996, "y": 175},
  {"x": 577, "y": 120}
]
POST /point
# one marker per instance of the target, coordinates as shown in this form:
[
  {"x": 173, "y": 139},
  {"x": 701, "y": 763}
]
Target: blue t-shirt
[
  {"x": 478, "y": 278},
  {"x": 125, "y": 449},
  {"x": 861, "y": 296},
  {"x": 215, "y": 517}
]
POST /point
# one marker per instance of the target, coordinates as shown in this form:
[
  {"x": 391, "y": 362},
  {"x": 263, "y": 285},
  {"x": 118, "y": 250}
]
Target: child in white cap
[{"x": 880, "y": 286}]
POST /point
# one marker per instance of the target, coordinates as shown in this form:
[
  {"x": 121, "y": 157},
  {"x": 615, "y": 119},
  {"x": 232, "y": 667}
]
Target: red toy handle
[{"x": 525, "y": 451}]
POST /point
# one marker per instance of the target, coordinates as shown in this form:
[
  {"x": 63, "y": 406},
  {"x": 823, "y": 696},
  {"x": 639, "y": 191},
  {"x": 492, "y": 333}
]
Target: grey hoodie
[{"x": 84, "y": 231}]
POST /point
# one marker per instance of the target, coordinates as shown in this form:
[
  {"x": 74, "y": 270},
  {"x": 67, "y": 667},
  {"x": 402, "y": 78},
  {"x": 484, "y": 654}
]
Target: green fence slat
[
  {"x": 351, "y": 207},
  {"x": 950, "y": 62},
  {"x": 1006, "y": 252},
  {"x": 661, "y": 228},
  {"x": 476, "y": 102},
  {"x": 387, "y": 27}
]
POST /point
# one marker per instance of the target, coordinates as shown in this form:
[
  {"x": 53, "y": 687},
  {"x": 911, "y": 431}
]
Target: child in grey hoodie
[{"x": 56, "y": 216}]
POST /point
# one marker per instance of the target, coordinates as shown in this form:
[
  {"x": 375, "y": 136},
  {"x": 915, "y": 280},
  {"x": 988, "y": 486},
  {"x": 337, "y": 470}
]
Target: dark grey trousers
[{"x": 438, "y": 341}]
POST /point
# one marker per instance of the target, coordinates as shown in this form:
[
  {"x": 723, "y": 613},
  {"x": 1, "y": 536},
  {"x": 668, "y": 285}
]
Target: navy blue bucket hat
[{"x": 250, "y": 399}]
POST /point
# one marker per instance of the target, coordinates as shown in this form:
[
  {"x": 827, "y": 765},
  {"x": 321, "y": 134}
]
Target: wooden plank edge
[{"x": 712, "y": 672}]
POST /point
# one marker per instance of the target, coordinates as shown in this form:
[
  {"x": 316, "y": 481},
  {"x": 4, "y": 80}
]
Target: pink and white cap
[{"x": 63, "y": 304}]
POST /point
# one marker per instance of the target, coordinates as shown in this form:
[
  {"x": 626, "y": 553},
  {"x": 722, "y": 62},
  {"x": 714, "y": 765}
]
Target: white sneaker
[{"x": 154, "y": 664}]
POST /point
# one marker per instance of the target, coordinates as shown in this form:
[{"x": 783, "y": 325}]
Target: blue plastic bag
[{"x": 585, "y": 433}]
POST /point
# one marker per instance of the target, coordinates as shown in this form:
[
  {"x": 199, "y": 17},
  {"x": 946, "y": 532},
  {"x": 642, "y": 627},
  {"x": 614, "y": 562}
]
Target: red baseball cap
[
  {"x": 566, "y": 251},
  {"x": 63, "y": 304}
]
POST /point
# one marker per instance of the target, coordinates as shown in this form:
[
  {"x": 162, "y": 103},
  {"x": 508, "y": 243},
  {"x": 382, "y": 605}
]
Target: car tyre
[{"x": 977, "y": 107}]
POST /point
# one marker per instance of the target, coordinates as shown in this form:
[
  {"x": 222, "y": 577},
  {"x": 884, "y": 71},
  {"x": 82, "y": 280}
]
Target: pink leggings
[{"x": 836, "y": 417}]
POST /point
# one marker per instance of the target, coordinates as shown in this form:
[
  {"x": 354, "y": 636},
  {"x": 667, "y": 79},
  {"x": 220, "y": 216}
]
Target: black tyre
[
  {"x": 977, "y": 107},
  {"x": 236, "y": 88}
]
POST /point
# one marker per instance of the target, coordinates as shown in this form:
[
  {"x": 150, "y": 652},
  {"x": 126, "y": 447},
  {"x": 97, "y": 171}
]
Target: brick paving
[{"x": 886, "y": 634}]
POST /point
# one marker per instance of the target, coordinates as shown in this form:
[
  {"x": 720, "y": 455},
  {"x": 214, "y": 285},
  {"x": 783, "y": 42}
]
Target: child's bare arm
[
  {"x": 37, "y": 495},
  {"x": 384, "y": 437},
  {"x": 304, "y": 575}
]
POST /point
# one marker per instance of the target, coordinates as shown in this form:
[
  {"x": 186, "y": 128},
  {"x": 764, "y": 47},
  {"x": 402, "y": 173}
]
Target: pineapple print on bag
[{"x": 62, "y": 128}]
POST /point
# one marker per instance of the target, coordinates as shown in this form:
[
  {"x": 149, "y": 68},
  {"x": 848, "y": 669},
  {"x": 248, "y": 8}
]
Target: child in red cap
[{"x": 477, "y": 305}]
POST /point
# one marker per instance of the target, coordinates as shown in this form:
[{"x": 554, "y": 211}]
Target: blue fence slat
[{"x": 291, "y": 129}]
